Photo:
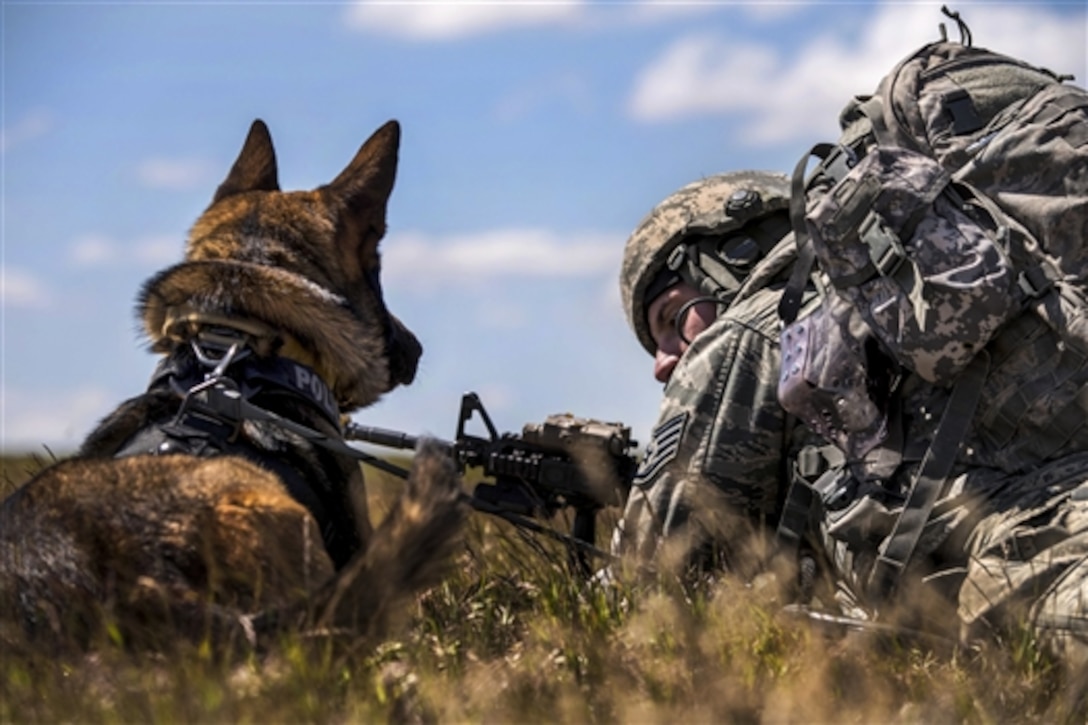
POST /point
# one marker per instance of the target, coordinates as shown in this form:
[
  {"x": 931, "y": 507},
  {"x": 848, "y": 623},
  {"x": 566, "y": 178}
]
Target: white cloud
[
  {"x": 772, "y": 10},
  {"x": 607, "y": 298},
  {"x": 175, "y": 174},
  {"x": 800, "y": 97},
  {"x": 95, "y": 250},
  {"x": 159, "y": 250},
  {"x": 656, "y": 11},
  {"x": 413, "y": 258},
  {"x": 59, "y": 419},
  {"x": 29, "y": 126},
  {"x": 1032, "y": 34},
  {"x": 21, "y": 289},
  {"x": 92, "y": 250},
  {"x": 451, "y": 19},
  {"x": 703, "y": 74}
]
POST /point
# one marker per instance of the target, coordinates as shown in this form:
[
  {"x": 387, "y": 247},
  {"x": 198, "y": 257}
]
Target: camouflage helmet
[{"x": 710, "y": 233}]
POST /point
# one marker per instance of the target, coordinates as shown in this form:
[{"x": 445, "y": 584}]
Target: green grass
[{"x": 510, "y": 636}]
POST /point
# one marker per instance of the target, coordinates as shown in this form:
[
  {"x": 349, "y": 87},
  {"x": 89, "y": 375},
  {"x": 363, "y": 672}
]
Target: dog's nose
[{"x": 404, "y": 353}]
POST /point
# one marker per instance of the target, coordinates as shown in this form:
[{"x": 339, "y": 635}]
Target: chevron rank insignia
[{"x": 663, "y": 447}]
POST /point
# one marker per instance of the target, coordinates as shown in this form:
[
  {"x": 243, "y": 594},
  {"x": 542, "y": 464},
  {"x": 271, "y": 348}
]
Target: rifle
[{"x": 581, "y": 463}]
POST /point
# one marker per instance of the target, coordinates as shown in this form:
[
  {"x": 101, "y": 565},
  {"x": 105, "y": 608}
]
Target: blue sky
[{"x": 535, "y": 137}]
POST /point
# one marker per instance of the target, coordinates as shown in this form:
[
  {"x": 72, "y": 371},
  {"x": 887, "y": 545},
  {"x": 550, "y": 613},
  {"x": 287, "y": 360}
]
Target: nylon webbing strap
[
  {"x": 795, "y": 514},
  {"x": 789, "y": 304},
  {"x": 930, "y": 478},
  {"x": 873, "y": 109},
  {"x": 181, "y": 374},
  {"x": 229, "y": 405},
  {"x": 813, "y": 468}
]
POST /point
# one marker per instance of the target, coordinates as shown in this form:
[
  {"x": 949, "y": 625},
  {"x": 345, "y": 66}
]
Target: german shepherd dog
[{"x": 223, "y": 503}]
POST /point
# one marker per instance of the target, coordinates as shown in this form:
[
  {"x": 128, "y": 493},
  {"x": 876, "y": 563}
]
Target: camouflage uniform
[
  {"x": 716, "y": 455},
  {"x": 1006, "y": 544},
  {"x": 720, "y": 437}
]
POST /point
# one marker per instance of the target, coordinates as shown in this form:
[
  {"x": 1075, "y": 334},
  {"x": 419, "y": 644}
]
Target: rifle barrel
[{"x": 388, "y": 437}]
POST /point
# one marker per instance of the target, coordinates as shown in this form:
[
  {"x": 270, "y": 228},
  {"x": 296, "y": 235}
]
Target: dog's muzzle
[{"x": 404, "y": 353}]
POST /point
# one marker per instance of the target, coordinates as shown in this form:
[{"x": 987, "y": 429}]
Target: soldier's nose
[{"x": 664, "y": 363}]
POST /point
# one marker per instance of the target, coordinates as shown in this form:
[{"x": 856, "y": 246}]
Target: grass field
[{"x": 512, "y": 637}]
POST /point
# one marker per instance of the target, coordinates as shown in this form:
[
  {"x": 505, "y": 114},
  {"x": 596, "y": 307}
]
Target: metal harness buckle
[{"x": 218, "y": 397}]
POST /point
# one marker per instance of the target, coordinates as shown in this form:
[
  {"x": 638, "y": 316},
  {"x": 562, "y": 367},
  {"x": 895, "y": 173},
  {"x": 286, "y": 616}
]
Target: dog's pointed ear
[
  {"x": 365, "y": 185},
  {"x": 255, "y": 167}
]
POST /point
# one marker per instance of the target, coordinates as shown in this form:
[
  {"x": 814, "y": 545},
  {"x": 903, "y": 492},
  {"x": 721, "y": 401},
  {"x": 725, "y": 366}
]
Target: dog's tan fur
[{"x": 156, "y": 544}]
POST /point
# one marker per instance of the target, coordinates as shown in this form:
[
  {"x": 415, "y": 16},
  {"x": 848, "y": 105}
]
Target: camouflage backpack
[{"x": 946, "y": 232}]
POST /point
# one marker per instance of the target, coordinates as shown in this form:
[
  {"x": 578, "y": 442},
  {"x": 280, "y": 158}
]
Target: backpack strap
[
  {"x": 834, "y": 166},
  {"x": 930, "y": 478},
  {"x": 873, "y": 110}
]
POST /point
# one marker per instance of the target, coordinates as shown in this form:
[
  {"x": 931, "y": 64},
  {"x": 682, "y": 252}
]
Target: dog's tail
[{"x": 408, "y": 552}]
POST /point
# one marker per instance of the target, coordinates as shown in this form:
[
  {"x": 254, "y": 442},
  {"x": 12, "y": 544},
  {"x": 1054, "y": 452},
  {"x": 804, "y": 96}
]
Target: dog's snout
[{"x": 404, "y": 353}]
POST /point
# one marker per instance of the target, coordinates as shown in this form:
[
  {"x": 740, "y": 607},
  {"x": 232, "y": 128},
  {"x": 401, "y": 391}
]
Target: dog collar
[{"x": 183, "y": 323}]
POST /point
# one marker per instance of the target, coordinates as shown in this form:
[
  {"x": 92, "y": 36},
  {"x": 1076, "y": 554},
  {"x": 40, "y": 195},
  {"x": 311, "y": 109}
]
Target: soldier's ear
[
  {"x": 363, "y": 188},
  {"x": 255, "y": 167}
]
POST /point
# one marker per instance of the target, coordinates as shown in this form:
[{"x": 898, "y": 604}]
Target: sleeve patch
[{"x": 663, "y": 447}]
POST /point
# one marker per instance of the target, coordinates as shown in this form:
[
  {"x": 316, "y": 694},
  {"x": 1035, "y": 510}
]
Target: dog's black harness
[{"x": 217, "y": 383}]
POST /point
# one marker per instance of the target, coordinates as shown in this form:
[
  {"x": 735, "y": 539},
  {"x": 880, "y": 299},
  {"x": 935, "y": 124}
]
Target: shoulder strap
[
  {"x": 930, "y": 478},
  {"x": 790, "y": 303}
]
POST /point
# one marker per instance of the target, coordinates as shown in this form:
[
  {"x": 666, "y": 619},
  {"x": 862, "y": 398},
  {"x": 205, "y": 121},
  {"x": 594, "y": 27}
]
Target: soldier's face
[{"x": 674, "y": 328}]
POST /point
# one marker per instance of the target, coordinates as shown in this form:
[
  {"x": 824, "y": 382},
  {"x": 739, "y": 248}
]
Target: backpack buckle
[
  {"x": 961, "y": 110},
  {"x": 885, "y": 249},
  {"x": 1035, "y": 281},
  {"x": 837, "y": 164}
]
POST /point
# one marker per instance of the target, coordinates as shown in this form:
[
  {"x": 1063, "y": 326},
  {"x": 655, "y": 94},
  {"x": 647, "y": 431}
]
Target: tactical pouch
[
  {"x": 922, "y": 259},
  {"x": 835, "y": 378}
]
